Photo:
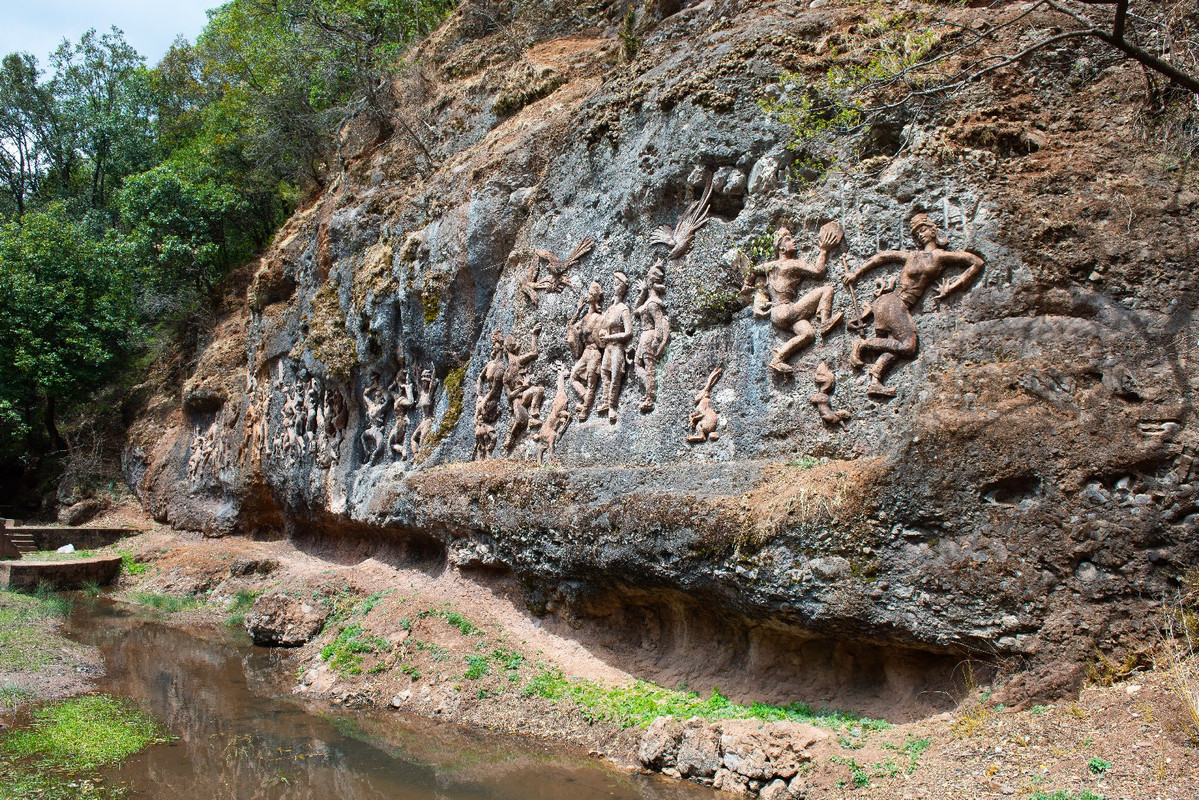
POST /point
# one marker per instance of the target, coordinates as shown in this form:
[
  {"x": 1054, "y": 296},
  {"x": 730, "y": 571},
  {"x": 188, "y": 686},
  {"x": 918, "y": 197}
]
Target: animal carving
[
  {"x": 557, "y": 269},
  {"x": 556, "y": 423},
  {"x": 825, "y": 383},
  {"x": 679, "y": 238},
  {"x": 703, "y": 418}
]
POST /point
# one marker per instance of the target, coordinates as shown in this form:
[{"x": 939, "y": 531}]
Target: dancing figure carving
[
  {"x": 556, "y": 423},
  {"x": 894, "y": 328},
  {"x": 789, "y": 313},
  {"x": 375, "y": 400},
  {"x": 428, "y": 389},
  {"x": 403, "y": 400},
  {"x": 524, "y": 397}
]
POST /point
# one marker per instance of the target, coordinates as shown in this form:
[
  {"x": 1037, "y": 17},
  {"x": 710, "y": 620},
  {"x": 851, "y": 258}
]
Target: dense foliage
[{"x": 128, "y": 191}]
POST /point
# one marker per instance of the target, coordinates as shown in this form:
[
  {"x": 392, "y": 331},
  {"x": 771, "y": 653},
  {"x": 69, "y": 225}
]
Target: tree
[
  {"x": 26, "y": 114},
  {"x": 66, "y": 315},
  {"x": 102, "y": 87},
  {"x": 185, "y": 227}
]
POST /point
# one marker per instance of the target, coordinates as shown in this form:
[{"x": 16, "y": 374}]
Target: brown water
[{"x": 239, "y": 737}]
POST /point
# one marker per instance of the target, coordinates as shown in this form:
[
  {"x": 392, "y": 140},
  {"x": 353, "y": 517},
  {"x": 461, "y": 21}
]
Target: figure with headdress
[
  {"x": 616, "y": 329},
  {"x": 655, "y": 333},
  {"x": 584, "y": 336},
  {"x": 895, "y": 330},
  {"x": 798, "y": 317}
]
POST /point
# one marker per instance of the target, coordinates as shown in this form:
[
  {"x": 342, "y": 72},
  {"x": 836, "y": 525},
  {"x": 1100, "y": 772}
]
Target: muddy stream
[{"x": 240, "y": 735}]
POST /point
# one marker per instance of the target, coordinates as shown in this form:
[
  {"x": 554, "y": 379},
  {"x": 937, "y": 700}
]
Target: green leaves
[{"x": 65, "y": 310}]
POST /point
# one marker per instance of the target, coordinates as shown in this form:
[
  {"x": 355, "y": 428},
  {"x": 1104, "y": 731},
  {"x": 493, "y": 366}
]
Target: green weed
[
  {"x": 82, "y": 734},
  {"x": 129, "y": 566},
  {"x": 167, "y": 603},
  {"x": 345, "y": 652},
  {"x": 1098, "y": 766},
  {"x": 476, "y": 667}
]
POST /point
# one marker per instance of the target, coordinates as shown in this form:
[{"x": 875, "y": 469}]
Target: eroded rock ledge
[{"x": 602, "y": 343}]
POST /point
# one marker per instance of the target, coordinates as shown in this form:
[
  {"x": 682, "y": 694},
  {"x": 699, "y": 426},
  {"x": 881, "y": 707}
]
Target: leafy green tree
[
  {"x": 103, "y": 91},
  {"x": 66, "y": 317},
  {"x": 26, "y": 113},
  {"x": 185, "y": 227}
]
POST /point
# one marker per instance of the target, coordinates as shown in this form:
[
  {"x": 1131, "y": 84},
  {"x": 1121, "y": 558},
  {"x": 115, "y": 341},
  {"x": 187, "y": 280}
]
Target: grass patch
[
  {"x": 345, "y": 652},
  {"x": 1062, "y": 794},
  {"x": 912, "y": 748},
  {"x": 26, "y": 641},
  {"x": 83, "y": 733},
  {"x": 243, "y": 601},
  {"x": 453, "y": 619},
  {"x": 640, "y": 703},
  {"x": 167, "y": 603},
  {"x": 54, "y": 555},
  {"x": 129, "y": 566}
]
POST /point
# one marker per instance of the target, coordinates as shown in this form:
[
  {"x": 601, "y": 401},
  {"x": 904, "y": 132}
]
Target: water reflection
[{"x": 237, "y": 738}]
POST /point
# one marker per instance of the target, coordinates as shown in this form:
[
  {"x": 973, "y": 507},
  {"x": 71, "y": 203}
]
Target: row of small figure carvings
[{"x": 601, "y": 342}]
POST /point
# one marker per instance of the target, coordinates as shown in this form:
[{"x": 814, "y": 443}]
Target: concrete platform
[{"x": 26, "y": 575}]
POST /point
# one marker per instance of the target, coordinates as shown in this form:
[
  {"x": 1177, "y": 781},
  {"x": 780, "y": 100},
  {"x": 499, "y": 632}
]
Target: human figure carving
[
  {"x": 402, "y": 402},
  {"x": 616, "y": 329},
  {"x": 826, "y": 382},
  {"x": 254, "y": 428},
  {"x": 375, "y": 400},
  {"x": 484, "y": 433},
  {"x": 789, "y": 313},
  {"x": 703, "y": 418},
  {"x": 557, "y": 269},
  {"x": 655, "y": 333},
  {"x": 428, "y": 388},
  {"x": 585, "y": 338},
  {"x": 313, "y": 408},
  {"x": 490, "y": 385},
  {"x": 291, "y": 417},
  {"x": 336, "y": 416},
  {"x": 894, "y": 328},
  {"x": 524, "y": 397}
]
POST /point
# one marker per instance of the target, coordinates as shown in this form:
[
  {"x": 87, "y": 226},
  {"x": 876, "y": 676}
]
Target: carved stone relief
[
  {"x": 826, "y": 382},
  {"x": 616, "y": 329},
  {"x": 894, "y": 328},
  {"x": 557, "y": 269},
  {"x": 375, "y": 400},
  {"x": 792, "y": 315},
  {"x": 704, "y": 418},
  {"x": 403, "y": 400},
  {"x": 524, "y": 397},
  {"x": 556, "y": 423},
  {"x": 426, "y": 402},
  {"x": 585, "y": 338},
  {"x": 655, "y": 333}
]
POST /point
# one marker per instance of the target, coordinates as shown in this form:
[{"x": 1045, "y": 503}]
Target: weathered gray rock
[{"x": 279, "y": 620}]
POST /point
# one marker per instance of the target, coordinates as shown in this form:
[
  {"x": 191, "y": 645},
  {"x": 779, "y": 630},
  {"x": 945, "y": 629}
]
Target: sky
[{"x": 37, "y": 26}]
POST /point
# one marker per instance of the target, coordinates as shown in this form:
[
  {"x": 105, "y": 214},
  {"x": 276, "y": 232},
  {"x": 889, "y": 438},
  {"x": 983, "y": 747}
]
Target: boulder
[{"x": 279, "y": 620}]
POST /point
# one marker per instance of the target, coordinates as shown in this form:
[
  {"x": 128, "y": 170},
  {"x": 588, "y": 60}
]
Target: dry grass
[{"x": 1179, "y": 661}]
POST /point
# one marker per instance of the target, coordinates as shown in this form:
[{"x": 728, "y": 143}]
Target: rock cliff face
[{"x": 1006, "y": 476}]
